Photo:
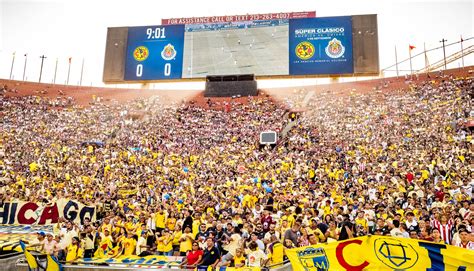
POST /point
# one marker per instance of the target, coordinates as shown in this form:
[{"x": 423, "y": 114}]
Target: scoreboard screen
[
  {"x": 344, "y": 45},
  {"x": 321, "y": 46},
  {"x": 154, "y": 52}
]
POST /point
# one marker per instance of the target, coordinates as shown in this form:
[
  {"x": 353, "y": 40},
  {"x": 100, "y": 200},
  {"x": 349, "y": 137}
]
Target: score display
[
  {"x": 274, "y": 47},
  {"x": 154, "y": 52}
]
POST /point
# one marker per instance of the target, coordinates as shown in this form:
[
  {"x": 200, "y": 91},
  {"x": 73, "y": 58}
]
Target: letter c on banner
[
  {"x": 21, "y": 213},
  {"x": 342, "y": 261}
]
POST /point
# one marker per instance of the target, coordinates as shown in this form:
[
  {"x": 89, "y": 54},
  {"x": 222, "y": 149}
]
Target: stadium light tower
[
  {"x": 82, "y": 72},
  {"x": 444, "y": 52},
  {"x": 55, "y": 71},
  {"x": 13, "y": 63},
  {"x": 24, "y": 66},
  {"x": 41, "y": 69}
]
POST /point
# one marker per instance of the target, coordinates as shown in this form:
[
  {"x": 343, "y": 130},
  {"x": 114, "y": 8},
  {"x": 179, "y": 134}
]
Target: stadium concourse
[{"x": 385, "y": 157}]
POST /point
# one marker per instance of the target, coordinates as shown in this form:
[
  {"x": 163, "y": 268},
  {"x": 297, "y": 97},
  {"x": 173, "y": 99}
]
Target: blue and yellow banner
[
  {"x": 381, "y": 253},
  {"x": 245, "y": 268},
  {"x": 135, "y": 260}
]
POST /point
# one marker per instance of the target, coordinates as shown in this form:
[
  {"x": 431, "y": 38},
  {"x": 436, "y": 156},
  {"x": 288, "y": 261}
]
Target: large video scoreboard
[{"x": 275, "y": 47}]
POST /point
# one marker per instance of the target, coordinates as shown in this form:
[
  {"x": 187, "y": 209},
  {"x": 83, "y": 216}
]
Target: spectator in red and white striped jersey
[
  {"x": 469, "y": 214},
  {"x": 465, "y": 242},
  {"x": 445, "y": 227}
]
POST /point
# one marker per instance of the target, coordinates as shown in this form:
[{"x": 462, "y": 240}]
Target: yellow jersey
[
  {"x": 186, "y": 245},
  {"x": 171, "y": 223},
  {"x": 277, "y": 253},
  {"x": 362, "y": 222},
  {"x": 73, "y": 252},
  {"x": 129, "y": 245},
  {"x": 160, "y": 220}
]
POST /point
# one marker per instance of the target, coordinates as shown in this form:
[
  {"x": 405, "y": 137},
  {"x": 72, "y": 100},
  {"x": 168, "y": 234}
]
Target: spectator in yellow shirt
[
  {"x": 160, "y": 220},
  {"x": 129, "y": 245},
  {"x": 74, "y": 251},
  {"x": 361, "y": 221},
  {"x": 186, "y": 241}
]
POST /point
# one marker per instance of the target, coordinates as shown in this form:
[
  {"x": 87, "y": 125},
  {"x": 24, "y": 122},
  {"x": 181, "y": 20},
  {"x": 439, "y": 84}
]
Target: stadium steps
[
  {"x": 287, "y": 128},
  {"x": 306, "y": 99}
]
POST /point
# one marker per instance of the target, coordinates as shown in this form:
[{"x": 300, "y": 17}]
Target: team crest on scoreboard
[
  {"x": 335, "y": 49},
  {"x": 304, "y": 50},
  {"x": 313, "y": 259},
  {"x": 140, "y": 53},
  {"x": 168, "y": 52}
]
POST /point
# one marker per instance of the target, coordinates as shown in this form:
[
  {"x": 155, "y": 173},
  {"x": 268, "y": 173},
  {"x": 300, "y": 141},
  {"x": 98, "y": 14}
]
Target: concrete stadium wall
[{"x": 9, "y": 264}]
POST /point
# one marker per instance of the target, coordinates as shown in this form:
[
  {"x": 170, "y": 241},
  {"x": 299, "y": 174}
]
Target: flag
[
  {"x": 14, "y": 53},
  {"x": 104, "y": 247},
  {"x": 26, "y": 54},
  {"x": 116, "y": 251},
  {"x": 30, "y": 259},
  {"x": 411, "y": 47},
  {"x": 461, "y": 39},
  {"x": 52, "y": 264},
  {"x": 70, "y": 60}
]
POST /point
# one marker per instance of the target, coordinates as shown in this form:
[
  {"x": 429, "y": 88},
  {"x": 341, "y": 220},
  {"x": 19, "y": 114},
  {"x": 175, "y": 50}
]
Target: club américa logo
[
  {"x": 335, "y": 49},
  {"x": 140, "y": 53},
  {"x": 304, "y": 50},
  {"x": 168, "y": 52},
  {"x": 395, "y": 253}
]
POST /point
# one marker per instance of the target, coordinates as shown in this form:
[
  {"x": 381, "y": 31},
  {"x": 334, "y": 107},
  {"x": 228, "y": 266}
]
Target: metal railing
[
  {"x": 451, "y": 58},
  {"x": 432, "y": 67}
]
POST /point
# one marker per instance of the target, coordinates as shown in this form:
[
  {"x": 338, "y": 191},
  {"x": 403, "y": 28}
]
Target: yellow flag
[
  {"x": 52, "y": 264},
  {"x": 104, "y": 247},
  {"x": 30, "y": 259}
]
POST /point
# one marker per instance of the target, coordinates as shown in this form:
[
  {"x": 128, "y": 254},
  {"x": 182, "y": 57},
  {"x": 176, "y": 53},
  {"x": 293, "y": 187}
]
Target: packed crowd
[{"x": 183, "y": 180}]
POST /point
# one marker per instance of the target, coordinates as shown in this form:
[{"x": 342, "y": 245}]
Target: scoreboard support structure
[{"x": 231, "y": 85}]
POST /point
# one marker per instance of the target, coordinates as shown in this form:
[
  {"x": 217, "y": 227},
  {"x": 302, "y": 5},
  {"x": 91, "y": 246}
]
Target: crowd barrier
[{"x": 21, "y": 265}]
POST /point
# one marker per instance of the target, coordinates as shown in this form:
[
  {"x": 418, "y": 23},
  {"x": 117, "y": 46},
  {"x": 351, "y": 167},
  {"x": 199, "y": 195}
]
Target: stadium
[{"x": 242, "y": 137}]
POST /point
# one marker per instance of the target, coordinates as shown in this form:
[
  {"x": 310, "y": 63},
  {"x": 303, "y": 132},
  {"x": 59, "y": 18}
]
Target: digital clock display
[{"x": 156, "y": 33}]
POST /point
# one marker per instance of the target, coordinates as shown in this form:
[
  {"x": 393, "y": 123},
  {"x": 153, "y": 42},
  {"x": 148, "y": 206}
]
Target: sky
[{"x": 77, "y": 29}]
